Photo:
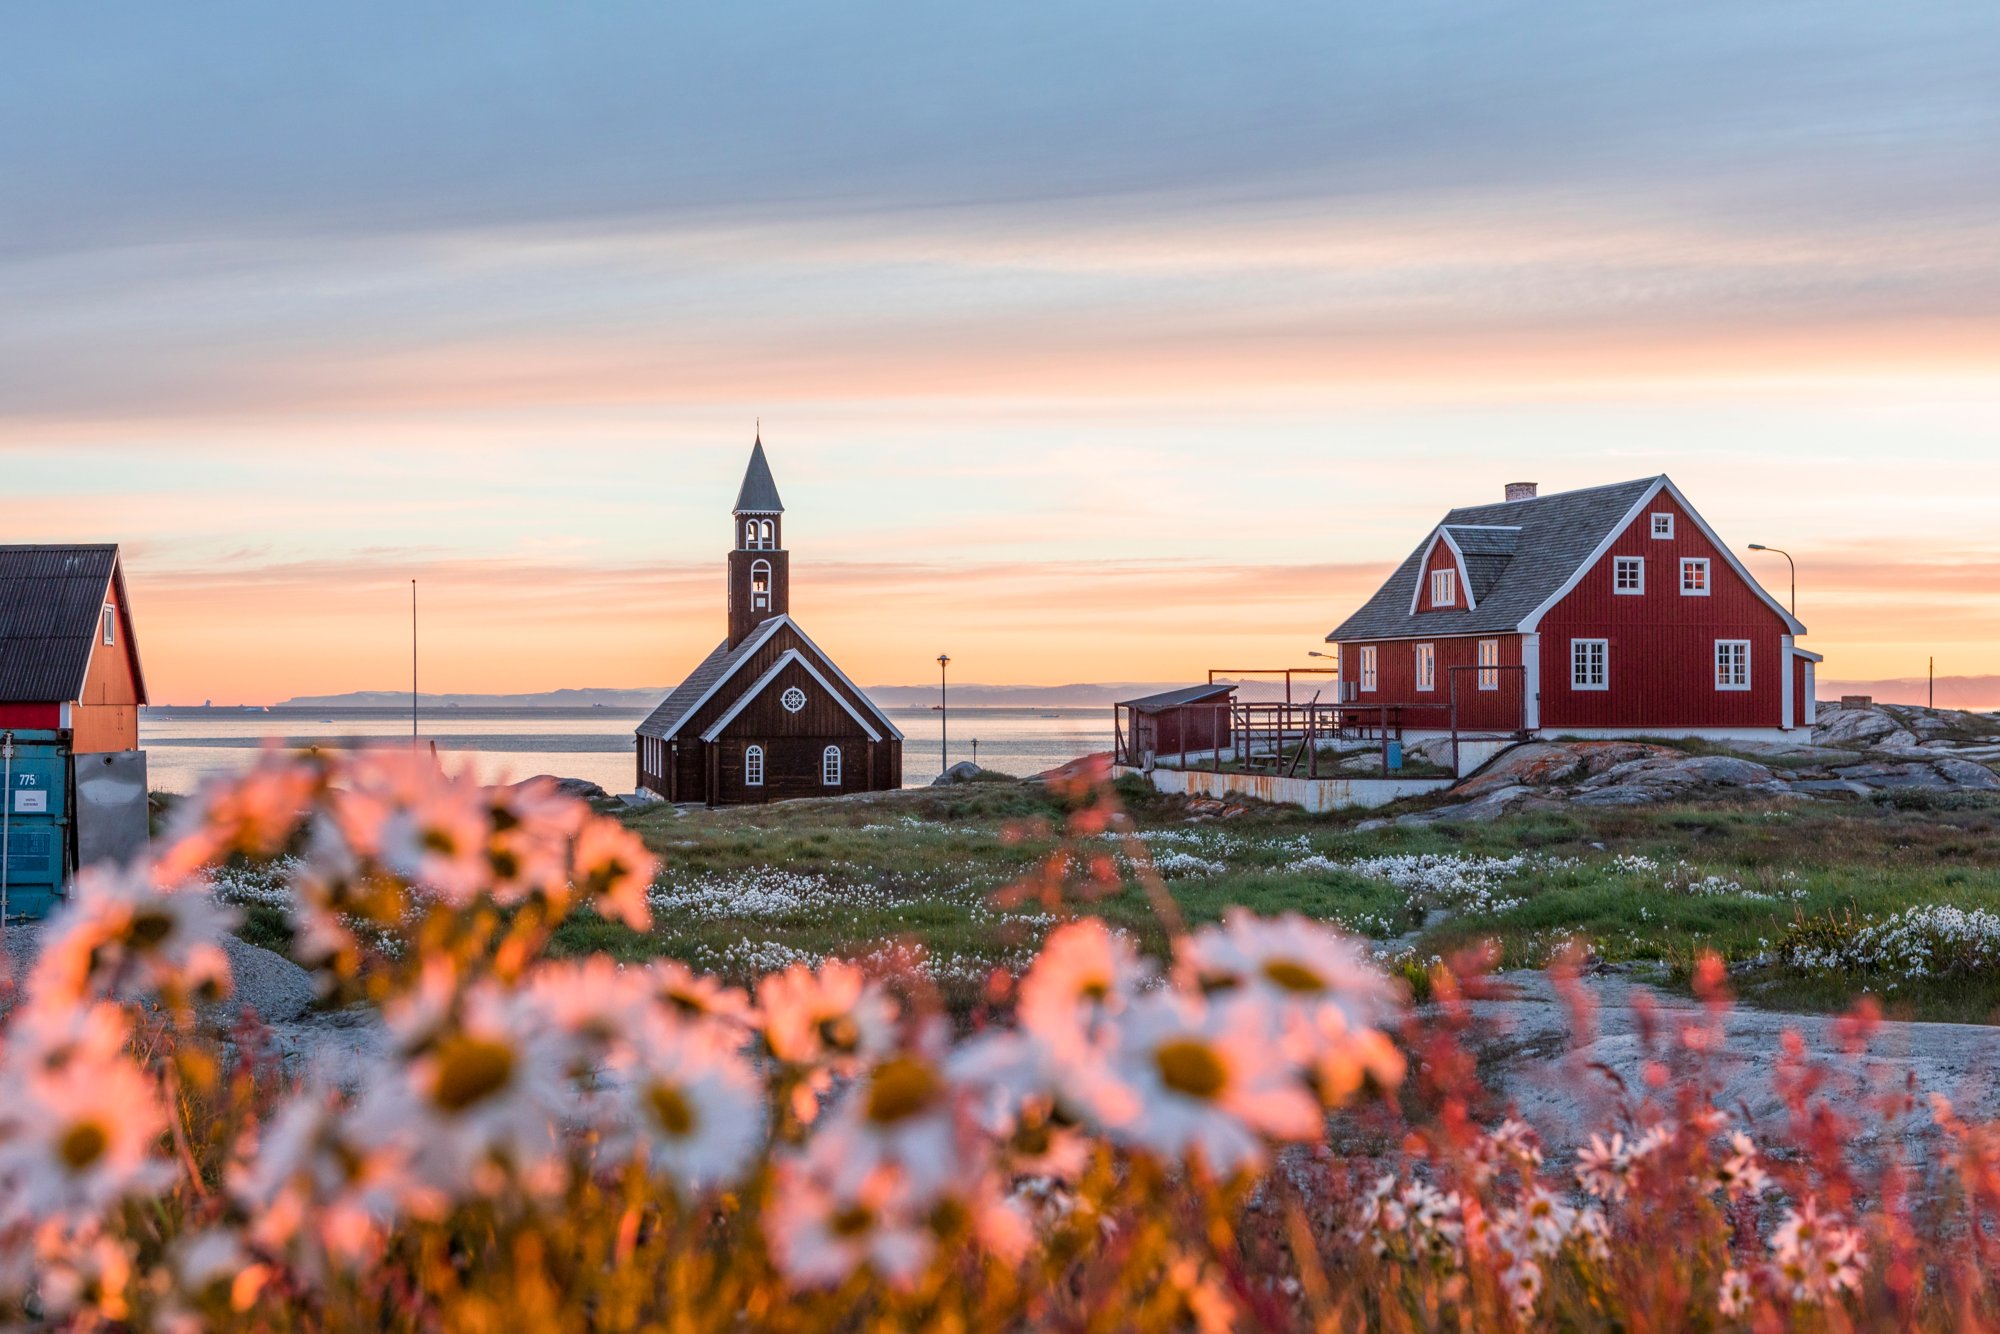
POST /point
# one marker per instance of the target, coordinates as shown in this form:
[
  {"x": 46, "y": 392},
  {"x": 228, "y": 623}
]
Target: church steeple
[{"x": 759, "y": 577}]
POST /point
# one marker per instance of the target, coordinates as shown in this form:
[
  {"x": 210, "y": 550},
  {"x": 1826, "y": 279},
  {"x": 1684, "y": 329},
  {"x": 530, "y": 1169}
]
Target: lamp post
[
  {"x": 944, "y": 717},
  {"x": 1759, "y": 546}
]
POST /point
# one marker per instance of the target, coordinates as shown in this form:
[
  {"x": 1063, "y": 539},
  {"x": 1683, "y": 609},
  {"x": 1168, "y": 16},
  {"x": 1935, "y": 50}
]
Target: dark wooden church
[{"x": 767, "y": 715}]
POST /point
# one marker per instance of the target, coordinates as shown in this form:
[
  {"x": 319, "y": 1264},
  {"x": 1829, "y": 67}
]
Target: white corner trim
[
  {"x": 1531, "y": 680},
  {"x": 1807, "y": 654},
  {"x": 786, "y": 659},
  {"x": 1785, "y": 696}
]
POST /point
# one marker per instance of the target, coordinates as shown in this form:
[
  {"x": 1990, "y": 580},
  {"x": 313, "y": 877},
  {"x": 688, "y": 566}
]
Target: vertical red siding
[
  {"x": 1662, "y": 643},
  {"x": 1478, "y": 710}
]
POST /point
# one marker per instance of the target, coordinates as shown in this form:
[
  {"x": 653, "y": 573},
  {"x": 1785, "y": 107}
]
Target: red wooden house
[
  {"x": 68, "y": 659},
  {"x": 1611, "y": 611},
  {"x": 766, "y": 714}
]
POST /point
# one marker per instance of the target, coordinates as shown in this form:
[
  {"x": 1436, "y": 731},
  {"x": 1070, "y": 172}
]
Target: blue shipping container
[{"x": 34, "y": 823}]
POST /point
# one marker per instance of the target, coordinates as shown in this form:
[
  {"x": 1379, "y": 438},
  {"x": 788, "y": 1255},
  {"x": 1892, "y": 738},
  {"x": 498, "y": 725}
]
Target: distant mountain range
[
  {"x": 970, "y": 695},
  {"x": 1963, "y": 692}
]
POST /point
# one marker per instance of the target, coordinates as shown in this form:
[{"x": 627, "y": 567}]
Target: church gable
[{"x": 793, "y": 698}]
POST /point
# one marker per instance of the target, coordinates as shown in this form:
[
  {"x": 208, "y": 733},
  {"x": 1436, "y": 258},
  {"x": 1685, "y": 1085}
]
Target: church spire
[{"x": 758, "y": 494}]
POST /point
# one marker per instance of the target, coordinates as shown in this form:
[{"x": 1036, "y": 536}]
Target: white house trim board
[
  {"x": 1533, "y": 619},
  {"x": 786, "y": 659},
  {"x": 1785, "y": 688},
  {"x": 1531, "y": 680}
]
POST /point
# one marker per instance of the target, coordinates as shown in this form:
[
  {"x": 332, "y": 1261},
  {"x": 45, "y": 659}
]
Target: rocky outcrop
[{"x": 1853, "y": 753}]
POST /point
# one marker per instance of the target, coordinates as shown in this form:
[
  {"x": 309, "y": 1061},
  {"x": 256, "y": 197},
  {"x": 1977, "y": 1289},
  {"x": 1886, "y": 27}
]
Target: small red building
[
  {"x": 69, "y": 661},
  {"x": 1611, "y": 611},
  {"x": 1193, "y": 720}
]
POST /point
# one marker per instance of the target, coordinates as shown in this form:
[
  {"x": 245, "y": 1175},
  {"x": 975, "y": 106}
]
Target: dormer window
[
  {"x": 1444, "y": 588},
  {"x": 1663, "y": 527},
  {"x": 110, "y": 627},
  {"x": 1628, "y": 574}
]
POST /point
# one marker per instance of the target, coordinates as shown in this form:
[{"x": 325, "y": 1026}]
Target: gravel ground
[{"x": 277, "y": 989}]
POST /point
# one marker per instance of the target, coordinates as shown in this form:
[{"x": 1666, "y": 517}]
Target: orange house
[{"x": 68, "y": 658}]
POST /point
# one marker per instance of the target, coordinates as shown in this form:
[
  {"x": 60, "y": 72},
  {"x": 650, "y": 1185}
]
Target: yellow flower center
[
  {"x": 1094, "y": 989},
  {"x": 672, "y": 1110},
  {"x": 150, "y": 927},
  {"x": 852, "y": 1221},
  {"x": 82, "y": 1145},
  {"x": 1292, "y": 975},
  {"x": 900, "y": 1089},
  {"x": 471, "y": 1070},
  {"x": 839, "y": 1032},
  {"x": 1190, "y": 1066}
]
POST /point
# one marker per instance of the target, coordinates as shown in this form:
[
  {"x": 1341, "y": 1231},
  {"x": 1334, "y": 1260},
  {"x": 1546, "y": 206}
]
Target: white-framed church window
[
  {"x": 753, "y": 766},
  {"x": 793, "y": 699},
  {"x": 760, "y": 585},
  {"x": 829, "y": 767}
]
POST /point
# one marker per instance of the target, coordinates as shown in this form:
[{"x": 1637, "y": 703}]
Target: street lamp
[
  {"x": 1315, "y": 653},
  {"x": 944, "y": 716},
  {"x": 1759, "y": 546}
]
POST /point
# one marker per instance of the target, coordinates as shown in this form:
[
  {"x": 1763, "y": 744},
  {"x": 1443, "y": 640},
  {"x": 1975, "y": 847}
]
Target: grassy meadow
[{"x": 1776, "y": 888}]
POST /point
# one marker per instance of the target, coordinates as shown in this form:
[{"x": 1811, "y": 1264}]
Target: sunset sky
[{"x": 1102, "y": 342}]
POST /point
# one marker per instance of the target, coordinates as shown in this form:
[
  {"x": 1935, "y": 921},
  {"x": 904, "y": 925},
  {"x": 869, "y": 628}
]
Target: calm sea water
[{"x": 184, "y": 746}]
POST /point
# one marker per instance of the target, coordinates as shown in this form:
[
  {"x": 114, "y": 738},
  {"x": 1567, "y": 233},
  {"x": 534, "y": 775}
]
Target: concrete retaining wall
[{"x": 1318, "y": 795}]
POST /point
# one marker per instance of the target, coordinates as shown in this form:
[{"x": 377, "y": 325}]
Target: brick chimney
[{"x": 1520, "y": 490}]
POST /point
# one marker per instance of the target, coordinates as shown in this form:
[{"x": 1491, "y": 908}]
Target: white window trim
[
  {"x": 753, "y": 766},
  {"x": 1426, "y": 655},
  {"x": 1720, "y": 645},
  {"x": 1617, "y": 561},
  {"x": 1445, "y": 582},
  {"x": 1369, "y": 674},
  {"x": 1660, "y": 533},
  {"x": 109, "y": 631},
  {"x": 1707, "y": 576},
  {"x": 1489, "y": 672},
  {"x": 830, "y": 767},
  {"x": 1604, "y": 645}
]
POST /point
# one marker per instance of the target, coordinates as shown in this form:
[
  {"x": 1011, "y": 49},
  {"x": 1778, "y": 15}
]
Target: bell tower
[{"x": 759, "y": 577}]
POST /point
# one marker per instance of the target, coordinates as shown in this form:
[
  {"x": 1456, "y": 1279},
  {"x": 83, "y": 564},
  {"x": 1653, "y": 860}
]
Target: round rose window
[{"x": 793, "y": 700}]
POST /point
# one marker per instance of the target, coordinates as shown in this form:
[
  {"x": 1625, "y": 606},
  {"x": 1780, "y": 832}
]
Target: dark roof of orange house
[{"x": 51, "y": 603}]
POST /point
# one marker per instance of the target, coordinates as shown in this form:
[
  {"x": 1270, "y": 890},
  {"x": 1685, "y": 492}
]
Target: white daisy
[
  {"x": 689, "y": 1104},
  {"x": 1210, "y": 1080},
  {"x": 78, "y": 1137}
]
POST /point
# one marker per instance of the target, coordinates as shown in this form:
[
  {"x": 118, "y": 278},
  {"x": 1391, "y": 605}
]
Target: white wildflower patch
[
  {"x": 1935, "y": 940},
  {"x": 1441, "y": 879}
]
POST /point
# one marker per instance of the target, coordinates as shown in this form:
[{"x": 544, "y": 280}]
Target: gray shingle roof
[
  {"x": 51, "y": 598},
  {"x": 1555, "y": 535},
  {"x": 758, "y": 494},
  {"x": 1168, "y": 699},
  {"x": 666, "y": 720}
]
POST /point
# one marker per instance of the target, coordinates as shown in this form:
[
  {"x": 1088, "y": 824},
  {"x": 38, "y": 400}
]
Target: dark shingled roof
[
  {"x": 1512, "y": 573},
  {"x": 759, "y": 494},
  {"x": 51, "y": 598},
  {"x": 666, "y": 720},
  {"x": 1168, "y": 699}
]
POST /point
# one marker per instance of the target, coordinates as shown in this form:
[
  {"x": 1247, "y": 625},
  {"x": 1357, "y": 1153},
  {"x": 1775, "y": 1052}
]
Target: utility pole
[
  {"x": 413, "y": 660},
  {"x": 1931, "y": 672},
  {"x": 944, "y": 717}
]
